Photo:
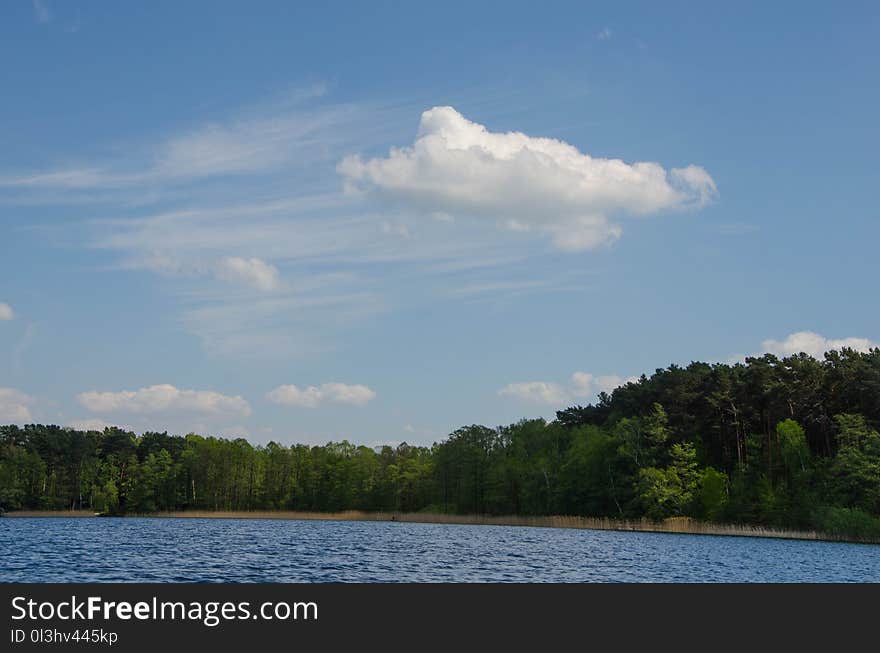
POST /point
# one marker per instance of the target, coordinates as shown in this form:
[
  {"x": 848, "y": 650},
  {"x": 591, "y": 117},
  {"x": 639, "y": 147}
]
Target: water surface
[{"x": 267, "y": 550}]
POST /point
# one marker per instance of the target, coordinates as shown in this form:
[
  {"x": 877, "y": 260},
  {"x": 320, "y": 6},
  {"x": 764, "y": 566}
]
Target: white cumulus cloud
[
  {"x": 312, "y": 396},
  {"x": 458, "y": 167},
  {"x": 583, "y": 385},
  {"x": 814, "y": 344},
  {"x": 164, "y": 398},
  {"x": 15, "y": 406},
  {"x": 6, "y": 312}
]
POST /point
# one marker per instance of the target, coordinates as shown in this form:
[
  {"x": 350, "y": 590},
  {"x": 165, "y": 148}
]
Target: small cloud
[
  {"x": 93, "y": 425},
  {"x": 605, "y": 34},
  {"x": 6, "y": 312},
  {"x": 164, "y": 399},
  {"x": 417, "y": 432},
  {"x": 233, "y": 432},
  {"x": 539, "y": 392},
  {"x": 814, "y": 345},
  {"x": 583, "y": 386},
  {"x": 395, "y": 229},
  {"x": 251, "y": 271},
  {"x": 41, "y": 11},
  {"x": 15, "y": 406},
  {"x": 379, "y": 444},
  {"x": 313, "y": 396}
]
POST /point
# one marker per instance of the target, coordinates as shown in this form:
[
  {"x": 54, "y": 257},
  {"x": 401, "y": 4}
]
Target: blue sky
[{"x": 381, "y": 221}]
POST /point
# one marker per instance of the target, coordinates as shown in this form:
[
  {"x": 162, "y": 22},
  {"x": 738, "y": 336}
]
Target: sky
[{"x": 383, "y": 221}]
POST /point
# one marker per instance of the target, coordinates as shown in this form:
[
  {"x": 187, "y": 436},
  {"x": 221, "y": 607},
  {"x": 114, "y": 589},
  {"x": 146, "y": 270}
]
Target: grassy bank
[{"x": 681, "y": 525}]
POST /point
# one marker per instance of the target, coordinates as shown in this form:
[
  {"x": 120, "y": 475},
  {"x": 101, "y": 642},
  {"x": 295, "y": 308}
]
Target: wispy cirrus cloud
[
  {"x": 42, "y": 12},
  {"x": 284, "y": 325},
  {"x": 236, "y": 209},
  {"x": 251, "y": 143}
]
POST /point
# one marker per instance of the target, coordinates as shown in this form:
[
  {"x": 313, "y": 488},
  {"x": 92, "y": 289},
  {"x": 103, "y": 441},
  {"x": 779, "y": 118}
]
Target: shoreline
[{"x": 674, "y": 525}]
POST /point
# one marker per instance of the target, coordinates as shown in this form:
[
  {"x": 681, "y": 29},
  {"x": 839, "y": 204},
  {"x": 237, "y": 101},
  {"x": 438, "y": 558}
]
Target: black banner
[{"x": 170, "y": 617}]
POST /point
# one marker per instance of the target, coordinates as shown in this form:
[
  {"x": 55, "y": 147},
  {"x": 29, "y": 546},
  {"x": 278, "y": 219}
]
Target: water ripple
[{"x": 255, "y": 550}]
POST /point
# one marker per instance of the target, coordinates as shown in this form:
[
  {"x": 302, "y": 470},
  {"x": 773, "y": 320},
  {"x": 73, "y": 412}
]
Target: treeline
[{"x": 790, "y": 443}]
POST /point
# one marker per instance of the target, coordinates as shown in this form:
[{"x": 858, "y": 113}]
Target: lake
[{"x": 265, "y": 550}]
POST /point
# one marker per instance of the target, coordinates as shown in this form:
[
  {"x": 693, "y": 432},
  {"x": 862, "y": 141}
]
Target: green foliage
[
  {"x": 669, "y": 492},
  {"x": 793, "y": 446},
  {"x": 847, "y": 522},
  {"x": 593, "y": 478},
  {"x": 763, "y": 442},
  {"x": 712, "y": 493},
  {"x": 855, "y": 471}
]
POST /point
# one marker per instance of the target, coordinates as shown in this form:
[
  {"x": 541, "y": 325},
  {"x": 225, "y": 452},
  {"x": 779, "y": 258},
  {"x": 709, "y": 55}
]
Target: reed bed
[
  {"x": 50, "y": 513},
  {"x": 680, "y": 525}
]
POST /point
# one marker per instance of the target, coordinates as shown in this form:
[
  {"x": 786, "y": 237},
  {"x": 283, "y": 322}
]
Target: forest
[{"x": 784, "y": 442}]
